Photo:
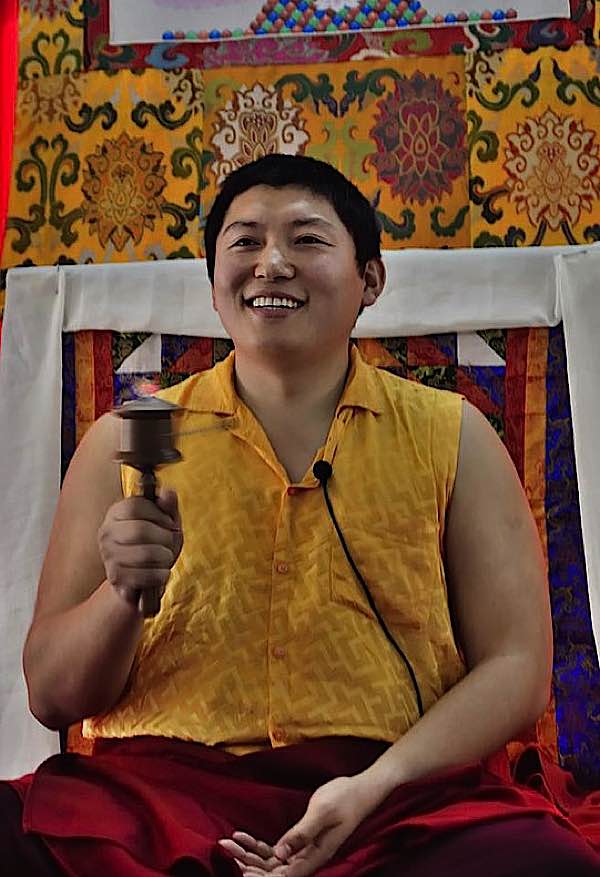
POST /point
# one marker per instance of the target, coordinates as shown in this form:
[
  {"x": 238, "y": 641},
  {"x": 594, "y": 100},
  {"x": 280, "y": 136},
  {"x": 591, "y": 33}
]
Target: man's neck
[{"x": 273, "y": 389}]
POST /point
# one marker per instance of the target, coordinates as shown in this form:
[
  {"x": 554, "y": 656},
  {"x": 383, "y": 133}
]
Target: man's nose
[{"x": 273, "y": 263}]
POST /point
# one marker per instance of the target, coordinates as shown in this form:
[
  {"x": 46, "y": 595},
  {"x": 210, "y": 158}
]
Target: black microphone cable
[{"x": 322, "y": 470}]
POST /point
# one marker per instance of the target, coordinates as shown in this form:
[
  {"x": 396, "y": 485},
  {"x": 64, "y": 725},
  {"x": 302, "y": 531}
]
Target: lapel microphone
[{"x": 322, "y": 470}]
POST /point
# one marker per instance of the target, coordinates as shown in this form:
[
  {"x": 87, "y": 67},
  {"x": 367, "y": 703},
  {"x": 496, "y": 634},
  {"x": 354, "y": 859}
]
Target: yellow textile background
[{"x": 472, "y": 149}]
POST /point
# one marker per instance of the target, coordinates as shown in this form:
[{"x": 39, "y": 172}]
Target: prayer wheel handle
[{"x": 147, "y": 442}]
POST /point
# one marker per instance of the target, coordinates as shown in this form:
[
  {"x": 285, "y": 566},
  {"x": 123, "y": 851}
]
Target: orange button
[
  {"x": 292, "y": 491},
  {"x": 278, "y": 652},
  {"x": 278, "y": 735},
  {"x": 282, "y": 568}
]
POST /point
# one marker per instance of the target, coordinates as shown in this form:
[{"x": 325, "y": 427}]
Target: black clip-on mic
[{"x": 322, "y": 470}]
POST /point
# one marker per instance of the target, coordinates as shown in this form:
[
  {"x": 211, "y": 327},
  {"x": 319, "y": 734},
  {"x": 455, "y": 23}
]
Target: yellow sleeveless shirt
[{"x": 264, "y": 636}]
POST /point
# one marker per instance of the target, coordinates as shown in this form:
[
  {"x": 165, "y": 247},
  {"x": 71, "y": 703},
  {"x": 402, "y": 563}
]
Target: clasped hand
[
  {"x": 139, "y": 542},
  {"x": 333, "y": 813}
]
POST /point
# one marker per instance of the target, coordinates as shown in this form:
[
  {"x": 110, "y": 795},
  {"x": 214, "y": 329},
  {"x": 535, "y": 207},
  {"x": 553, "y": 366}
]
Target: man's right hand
[{"x": 139, "y": 542}]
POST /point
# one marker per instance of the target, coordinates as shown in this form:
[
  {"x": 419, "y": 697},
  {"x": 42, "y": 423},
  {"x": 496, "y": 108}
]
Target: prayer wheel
[{"x": 146, "y": 443}]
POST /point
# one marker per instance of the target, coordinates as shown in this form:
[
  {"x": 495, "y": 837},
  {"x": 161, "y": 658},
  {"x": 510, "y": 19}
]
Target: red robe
[{"x": 137, "y": 807}]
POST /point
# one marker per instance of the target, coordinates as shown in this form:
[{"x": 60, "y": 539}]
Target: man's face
[{"x": 286, "y": 278}]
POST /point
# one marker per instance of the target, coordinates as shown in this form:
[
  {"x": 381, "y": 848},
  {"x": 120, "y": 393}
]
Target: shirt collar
[
  {"x": 216, "y": 393},
  {"x": 363, "y": 387}
]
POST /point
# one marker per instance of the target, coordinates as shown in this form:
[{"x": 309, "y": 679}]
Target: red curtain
[{"x": 9, "y": 17}]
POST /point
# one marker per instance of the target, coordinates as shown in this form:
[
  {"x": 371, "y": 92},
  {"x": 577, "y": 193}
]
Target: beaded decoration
[{"x": 312, "y": 17}]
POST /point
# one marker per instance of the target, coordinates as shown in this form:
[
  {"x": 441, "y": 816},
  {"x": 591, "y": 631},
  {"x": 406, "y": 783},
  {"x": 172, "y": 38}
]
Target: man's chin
[{"x": 268, "y": 347}]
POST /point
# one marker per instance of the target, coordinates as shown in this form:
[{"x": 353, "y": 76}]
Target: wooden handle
[{"x": 149, "y": 600}]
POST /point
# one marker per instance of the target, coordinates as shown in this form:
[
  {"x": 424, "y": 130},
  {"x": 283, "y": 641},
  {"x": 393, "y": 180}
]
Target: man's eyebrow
[
  {"x": 240, "y": 224},
  {"x": 312, "y": 220},
  {"x": 296, "y": 223}
]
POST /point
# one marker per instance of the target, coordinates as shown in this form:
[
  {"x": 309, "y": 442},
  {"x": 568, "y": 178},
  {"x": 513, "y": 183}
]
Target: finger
[
  {"x": 167, "y": 502},
  {"x": 251, "y": 871},
  {"x": 137, "y": 508},
  {"x": 299, "y": 836},
  {"x": 137, "y": 579},
  {"x": 144, "y": 557},
  {"x": 280, "y": 870},
  {"x": 311, "y": 858},
  {"x": 250, "y": 859},
  {"x": 128, "y": 532},
  {"x": 252, "y": 845}
]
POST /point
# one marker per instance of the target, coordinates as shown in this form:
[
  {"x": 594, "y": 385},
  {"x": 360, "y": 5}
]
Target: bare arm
[
  {"x": 501, "y": 608},
  {"x": 85, "y": 628}
]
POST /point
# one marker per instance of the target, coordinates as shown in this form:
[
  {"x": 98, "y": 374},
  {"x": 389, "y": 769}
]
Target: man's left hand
[{"x": 333, "y": 812}]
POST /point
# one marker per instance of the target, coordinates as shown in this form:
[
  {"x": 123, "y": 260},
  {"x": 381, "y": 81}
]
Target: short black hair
[{"x": 318, "y": 177}]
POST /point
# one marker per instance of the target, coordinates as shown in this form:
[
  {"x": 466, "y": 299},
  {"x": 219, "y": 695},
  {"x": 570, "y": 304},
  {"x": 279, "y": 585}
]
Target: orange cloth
[{"x": 264, "y": 635}]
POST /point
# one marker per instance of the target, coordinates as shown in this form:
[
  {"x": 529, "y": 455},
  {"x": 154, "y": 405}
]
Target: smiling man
[{"x": 354, "y": 621}]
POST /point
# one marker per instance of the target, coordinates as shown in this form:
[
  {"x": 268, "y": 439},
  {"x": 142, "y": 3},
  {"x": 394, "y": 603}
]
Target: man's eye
[
  {"x": 243, "y": 242},
  {"x": 309, "y": 239}
]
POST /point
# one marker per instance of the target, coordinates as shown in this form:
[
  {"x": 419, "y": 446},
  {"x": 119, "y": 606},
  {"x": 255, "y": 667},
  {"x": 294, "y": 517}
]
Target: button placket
[{"x": 278, "y": 627}]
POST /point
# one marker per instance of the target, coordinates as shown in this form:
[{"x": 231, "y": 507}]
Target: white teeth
[{"x": 268, "y": 302}]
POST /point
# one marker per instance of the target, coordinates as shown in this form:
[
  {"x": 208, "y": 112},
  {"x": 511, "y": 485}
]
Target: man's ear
[{"x": 374, "y": 281}]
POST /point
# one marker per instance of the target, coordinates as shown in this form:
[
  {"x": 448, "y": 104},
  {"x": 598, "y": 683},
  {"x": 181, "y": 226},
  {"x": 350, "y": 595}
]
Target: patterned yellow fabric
[
  {"x": 397, "y": 128},
  {"x": 110, "y": 174},
  {"x": 264, "y": 634},
  {"x": 535, "y": 151}
]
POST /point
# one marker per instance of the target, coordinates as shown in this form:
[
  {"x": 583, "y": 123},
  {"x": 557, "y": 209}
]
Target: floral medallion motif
[
  {"x": 46, "y": 8},
  {"x": 49, "y": 98},
  {"x": 187, "y": 87},
  {"x": 552, "y": 164},
  {"x": 122, "y": 187},
  {"x": 420, "y": 134},
  {"x": 256, "y": 121}
]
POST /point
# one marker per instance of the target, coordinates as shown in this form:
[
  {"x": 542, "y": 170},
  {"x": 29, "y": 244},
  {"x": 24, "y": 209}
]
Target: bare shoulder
[
  {"x": 72, "y": 567},
  {"x": 486, "y": 482},
  {"x": 96, "y": 450},
  {"x": 478, "y": 437},
  {"x": 494, "y": 561}
]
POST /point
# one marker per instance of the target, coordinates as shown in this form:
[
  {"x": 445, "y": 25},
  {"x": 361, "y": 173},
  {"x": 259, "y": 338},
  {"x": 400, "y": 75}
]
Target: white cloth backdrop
[{"x": 446, "y": 291}]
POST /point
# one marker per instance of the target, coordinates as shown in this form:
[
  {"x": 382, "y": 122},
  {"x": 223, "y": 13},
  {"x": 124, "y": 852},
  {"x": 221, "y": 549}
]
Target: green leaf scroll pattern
[
  {"x": 181, "y": 253},
  {"x": 486, "y": 146},
  {"x": 486, "y": 200},
  {"x": 181, "y": 214},
  {"x": 487, "y": 142},
  {"x": 184, "y": 161},
  {"x": 398, "y": 231},
  {"x": 507, "y": 93},
  {"x": 67, "y": 166},
  {"x": 568, "y": 86},
  {"x": 68, "y": 59},
  {"x": 85, "y": 8},
  {"x": 321, "y": 91},
  {"x": 207, "y": 157},
  {"x": 357, "y": 88},
  {"x": 164, "y": 114},
  {"x": 89, "y": 115},
  {"x": 591, "y": 234},
  {"x": 514, "y": 237},
  {"x": 32, "y": 172},
  {"x": 454, "y": 226}
]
